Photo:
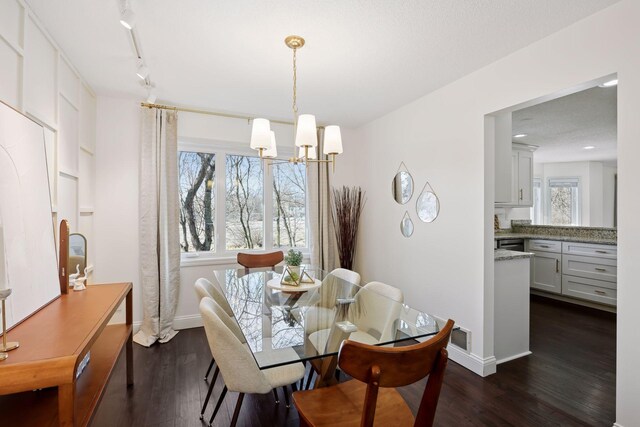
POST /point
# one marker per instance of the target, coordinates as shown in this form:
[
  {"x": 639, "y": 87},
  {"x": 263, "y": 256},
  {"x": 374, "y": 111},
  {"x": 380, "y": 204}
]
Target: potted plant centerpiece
[{"x": 293, "y": 259}]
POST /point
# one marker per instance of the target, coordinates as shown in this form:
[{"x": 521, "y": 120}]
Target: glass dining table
[{"x": 284, "y": 324}]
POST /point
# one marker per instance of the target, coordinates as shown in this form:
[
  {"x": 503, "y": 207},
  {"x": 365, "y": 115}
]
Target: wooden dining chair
[
  {"x": 270, "y": 259},
  {"x": 371, "y": 394}
]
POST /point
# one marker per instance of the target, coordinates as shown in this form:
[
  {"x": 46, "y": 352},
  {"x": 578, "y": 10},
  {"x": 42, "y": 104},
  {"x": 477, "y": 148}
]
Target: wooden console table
[{"x": 53, "y": 341}]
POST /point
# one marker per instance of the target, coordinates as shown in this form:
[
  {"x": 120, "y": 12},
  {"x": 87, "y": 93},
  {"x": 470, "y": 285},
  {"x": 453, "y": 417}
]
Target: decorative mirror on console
[
  {"x": 427, "y": 204},
  {"x": 77, "y": 253},
  {"x": 402, "y": 185}
]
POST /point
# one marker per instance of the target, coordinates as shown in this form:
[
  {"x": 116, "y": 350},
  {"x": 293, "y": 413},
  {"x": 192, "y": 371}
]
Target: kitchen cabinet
[
  {"x": 521, "y": 176},
  {"x": 525, "y": 178},
  {"x": 546, "y": 272},
  {"x": 583, "y": 271}
]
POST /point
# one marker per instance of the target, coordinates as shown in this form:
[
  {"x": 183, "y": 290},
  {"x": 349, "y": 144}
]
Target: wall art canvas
[{"x": 28, "y": 262}]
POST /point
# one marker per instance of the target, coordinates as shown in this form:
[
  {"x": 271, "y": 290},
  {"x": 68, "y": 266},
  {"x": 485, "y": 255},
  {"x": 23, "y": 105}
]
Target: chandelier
[{"x": 263, "y": 138}]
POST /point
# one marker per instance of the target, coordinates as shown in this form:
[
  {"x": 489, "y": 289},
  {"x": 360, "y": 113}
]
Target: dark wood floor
[{"x": 568, "y": 381}]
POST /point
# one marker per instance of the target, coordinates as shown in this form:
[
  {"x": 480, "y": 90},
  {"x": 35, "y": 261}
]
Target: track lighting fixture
[
  {"x": 143, "y": 71},
  {"x": 128, "y": 18}
]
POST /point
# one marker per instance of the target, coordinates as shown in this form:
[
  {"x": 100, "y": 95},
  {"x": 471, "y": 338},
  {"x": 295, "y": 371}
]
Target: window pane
[
  {"x": 560, "y": 205},
  {"x": 289, "y": 210},
  {"x": 197, "y": 201},
  {"x": 244, "y": 203}
]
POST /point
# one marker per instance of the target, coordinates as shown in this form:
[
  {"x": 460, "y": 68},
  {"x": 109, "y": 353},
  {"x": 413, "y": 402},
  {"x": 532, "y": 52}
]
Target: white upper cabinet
[
  {"x": 525, "y": 178},
  {"x": 520, "y": 176}
]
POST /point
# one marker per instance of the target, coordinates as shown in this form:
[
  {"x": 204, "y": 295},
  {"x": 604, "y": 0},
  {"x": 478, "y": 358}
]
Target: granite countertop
[
  {"x": 505, "y": 255},
  {"x": 581, "y": 239}
]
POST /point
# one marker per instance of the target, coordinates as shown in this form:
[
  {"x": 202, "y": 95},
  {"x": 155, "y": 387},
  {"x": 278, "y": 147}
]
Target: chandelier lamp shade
[{"x": 305, "y": 128}]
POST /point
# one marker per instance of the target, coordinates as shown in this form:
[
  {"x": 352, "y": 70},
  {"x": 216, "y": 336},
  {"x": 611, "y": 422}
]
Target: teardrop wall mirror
[
  {"x": 427, "y": 204},
  {"x": 402, "y": 185},
  {"x": 406, "y": 225}
]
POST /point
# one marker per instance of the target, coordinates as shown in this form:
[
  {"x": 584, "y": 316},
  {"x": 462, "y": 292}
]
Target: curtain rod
[{"x": 210, "y": 113}]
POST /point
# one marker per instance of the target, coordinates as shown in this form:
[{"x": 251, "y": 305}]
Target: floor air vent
[{"x": 460, "y": 338}]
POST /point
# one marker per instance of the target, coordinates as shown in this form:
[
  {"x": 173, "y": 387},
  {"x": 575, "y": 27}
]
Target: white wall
[
  {"x": 596, "y": 188},
  {"x": 117, "y": 171},
  {"x": 446, "y": 268},
  {"x": 37, "y": 79}
]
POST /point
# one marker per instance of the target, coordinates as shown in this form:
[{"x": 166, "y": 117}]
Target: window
[
  {"x": 563, "y": 201},
  {"x": 289, "y": 200},
  {"x": 244, "y": 203},
  {"x": 197, "y": 201},
  {"x": 537, "y": 209},
  {"x": 230, "y": 202}
]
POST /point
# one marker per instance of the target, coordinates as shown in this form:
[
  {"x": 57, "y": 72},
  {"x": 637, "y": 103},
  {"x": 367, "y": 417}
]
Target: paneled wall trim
[{"x": 37, "y": 79}]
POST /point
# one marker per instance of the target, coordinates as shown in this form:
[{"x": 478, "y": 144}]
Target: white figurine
[{"x": 78, "y": 282}]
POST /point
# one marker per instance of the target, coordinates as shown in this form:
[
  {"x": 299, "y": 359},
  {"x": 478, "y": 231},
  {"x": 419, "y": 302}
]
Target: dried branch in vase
[{"x": 347, "y": 206}]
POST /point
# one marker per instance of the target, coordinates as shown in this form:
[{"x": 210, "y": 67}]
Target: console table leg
[
  {"x": 129, "y": 349},
  {"x": 66, "y": 400},
  {"x": 129, "y": 361}
]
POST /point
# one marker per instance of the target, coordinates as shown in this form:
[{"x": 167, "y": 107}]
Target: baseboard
[
  {"x": 179, "y": 322},
  {"x": 510, "y": 358},
  {"x": 472, "y": 362},
  {"x": 187, "y": 322},
  {"x": 617, "y": 425}
]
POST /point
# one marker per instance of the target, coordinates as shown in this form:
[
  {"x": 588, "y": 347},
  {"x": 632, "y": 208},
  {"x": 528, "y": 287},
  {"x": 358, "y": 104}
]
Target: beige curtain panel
[
  {"x": 323, "y": 239},
  {"x": 159, "y": 226}
]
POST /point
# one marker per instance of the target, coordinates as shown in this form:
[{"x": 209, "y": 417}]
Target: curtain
[
  {"x": 323, "y": 239},
  {"x": 159, "y": 226}
]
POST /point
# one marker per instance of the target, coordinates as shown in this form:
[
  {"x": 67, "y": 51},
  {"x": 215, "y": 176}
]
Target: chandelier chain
[{"x": 295, "y": 86}]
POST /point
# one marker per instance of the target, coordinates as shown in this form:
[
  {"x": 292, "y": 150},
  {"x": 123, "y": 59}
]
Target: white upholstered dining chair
[
  {"x": 374, "y": 312},
  {"x": 237, "y": 365},
  {"x": 321, "y": 315},
  {"x": 212, "y": 289}
]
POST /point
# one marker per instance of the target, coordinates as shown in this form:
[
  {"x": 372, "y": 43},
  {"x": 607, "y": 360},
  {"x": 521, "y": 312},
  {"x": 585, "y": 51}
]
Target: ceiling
[
  {"x": 564, "y": 126},
  {"x": 363, "y": 58}
]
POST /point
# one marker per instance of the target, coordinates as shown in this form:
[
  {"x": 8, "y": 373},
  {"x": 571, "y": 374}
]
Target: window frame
[
  {"x": 538, "y": 212},
  {"x": 222, "y": 255}
]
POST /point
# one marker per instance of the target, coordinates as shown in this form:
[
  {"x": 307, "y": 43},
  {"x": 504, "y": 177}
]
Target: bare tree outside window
[
  {"x": 244, "y": 202},
  {"x": 563, "y": 201},
  {"x": 289, "y": 210},
  {"x": 560, "y": 206},
  {"x": 197, "y": 201}
]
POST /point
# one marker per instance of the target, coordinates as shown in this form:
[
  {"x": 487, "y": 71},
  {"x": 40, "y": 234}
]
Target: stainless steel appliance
[{"x": 511, "y": 244}]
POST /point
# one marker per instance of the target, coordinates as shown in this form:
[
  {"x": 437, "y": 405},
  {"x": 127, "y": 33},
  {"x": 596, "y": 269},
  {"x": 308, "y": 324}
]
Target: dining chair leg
[
  {"x": 286, "y": 396},
  {"x": 206, "y": 376},
  {"x": 220, "y": 399},
  {"x": 275, "y": 395},
  {"x": 206, "y": 399},
  {"x": 215, "y": 375},
  {"x": 302, "y": 379},
  {"x": 236, "y": 412},
  {"x": 311, "y": 372}
]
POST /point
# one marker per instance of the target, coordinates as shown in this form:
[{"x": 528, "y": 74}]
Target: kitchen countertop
[
  {"x": 506, "y": 255},
  {"x": 581, "y": 239}
]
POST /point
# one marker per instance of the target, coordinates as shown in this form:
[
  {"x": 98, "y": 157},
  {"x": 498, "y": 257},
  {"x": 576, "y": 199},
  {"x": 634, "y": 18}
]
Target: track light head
[
  {"x": 128, "y": 19},
  {"x": 143, "y": 71}
]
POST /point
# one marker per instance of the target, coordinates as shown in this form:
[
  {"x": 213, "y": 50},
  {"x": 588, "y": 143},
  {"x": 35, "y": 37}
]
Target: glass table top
[{"x": 287, "y": 327}]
